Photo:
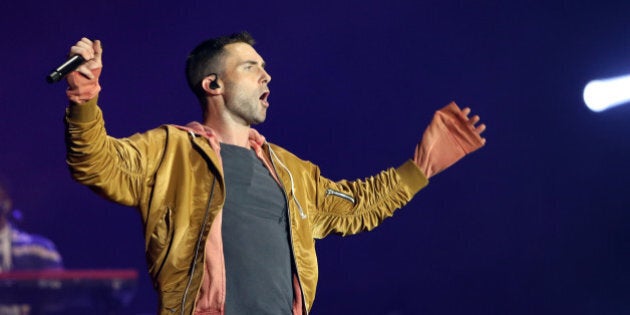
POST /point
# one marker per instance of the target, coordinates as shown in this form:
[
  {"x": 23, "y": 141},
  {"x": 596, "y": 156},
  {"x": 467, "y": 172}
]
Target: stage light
[{"x": 600, "y": 95}]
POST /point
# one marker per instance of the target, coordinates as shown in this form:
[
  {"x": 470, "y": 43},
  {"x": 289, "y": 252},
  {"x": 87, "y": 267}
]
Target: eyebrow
[{"x": 252, "y": 62}]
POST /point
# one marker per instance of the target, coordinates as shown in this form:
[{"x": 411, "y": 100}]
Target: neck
[{"x": 228, "y": 131}]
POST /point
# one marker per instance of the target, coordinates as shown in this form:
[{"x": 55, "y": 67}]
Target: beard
[
  {"x": 246, "y": 107},
  {"x": 249, "y": 111}
]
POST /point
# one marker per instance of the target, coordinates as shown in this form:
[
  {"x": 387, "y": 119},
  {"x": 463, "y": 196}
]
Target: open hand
[{"x": 450, "y": 136}]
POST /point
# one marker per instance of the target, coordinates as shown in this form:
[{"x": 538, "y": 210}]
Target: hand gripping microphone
[{"x": 67, "y": 67}]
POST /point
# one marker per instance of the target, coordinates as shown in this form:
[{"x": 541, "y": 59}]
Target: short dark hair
[{"x": 203, "y": 60}]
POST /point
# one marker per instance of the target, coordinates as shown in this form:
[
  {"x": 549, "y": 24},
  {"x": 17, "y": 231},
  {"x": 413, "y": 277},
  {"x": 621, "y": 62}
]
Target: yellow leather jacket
[{"x": 174, "y": 177}]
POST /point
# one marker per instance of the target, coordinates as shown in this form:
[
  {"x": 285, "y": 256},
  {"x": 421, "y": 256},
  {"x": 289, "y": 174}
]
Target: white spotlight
[{"x": 600, "y": 95}]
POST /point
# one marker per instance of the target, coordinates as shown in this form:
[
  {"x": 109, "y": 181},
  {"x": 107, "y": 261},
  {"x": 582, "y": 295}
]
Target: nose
[{"x": 266, "y": 78}]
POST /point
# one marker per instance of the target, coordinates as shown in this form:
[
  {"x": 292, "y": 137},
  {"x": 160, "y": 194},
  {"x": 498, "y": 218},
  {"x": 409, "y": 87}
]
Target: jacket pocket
[
  {"x": 335, "y": 193},
  {"x": 160, "y": 243}
]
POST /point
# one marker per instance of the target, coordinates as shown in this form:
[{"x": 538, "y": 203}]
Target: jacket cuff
[
  {"x": 81, "y": 89},
  {"x": 82, "y": 113},
  {"x": 412, "y": 176}
]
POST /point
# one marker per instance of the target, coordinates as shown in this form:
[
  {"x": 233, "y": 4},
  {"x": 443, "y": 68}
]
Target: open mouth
[{"x": 264, "y": 97}]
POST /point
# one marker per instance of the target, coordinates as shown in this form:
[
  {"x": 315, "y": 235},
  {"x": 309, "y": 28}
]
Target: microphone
[{"x": 67, "y": 67}]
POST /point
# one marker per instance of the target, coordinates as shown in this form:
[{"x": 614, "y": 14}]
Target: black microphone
[{"x": 67, "y": 67}]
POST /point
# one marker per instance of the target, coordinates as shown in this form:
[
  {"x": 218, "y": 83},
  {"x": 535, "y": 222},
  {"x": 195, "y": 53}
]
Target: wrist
[{"x": 81, "y": 89}]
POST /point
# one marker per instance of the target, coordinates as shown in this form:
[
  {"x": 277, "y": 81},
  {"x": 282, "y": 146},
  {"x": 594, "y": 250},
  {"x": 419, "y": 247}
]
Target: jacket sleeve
[
  {"x": 349, "y": 207},
  {"x": 118, "y": 169}
]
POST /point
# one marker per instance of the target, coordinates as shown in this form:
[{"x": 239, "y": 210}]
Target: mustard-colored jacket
[{"x": 175, "y": 179}]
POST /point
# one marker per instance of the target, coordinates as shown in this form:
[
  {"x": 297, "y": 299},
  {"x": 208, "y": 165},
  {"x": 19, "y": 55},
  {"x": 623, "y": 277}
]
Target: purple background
[{"x": 537, "y": 222}]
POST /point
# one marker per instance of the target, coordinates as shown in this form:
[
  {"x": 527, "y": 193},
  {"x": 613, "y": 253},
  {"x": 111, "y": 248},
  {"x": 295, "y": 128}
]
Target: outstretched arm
[
  {"x": 349, "y": 207},
  {"x": 450, "y": 136},
  {"x": 115, "y": 168}
]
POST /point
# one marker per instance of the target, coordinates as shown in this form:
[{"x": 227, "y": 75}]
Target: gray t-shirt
[{"x": 256, "y": 241}]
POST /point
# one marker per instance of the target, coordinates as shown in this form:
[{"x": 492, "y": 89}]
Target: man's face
[
  {"x": 5, "y": 202},
  {"x": 245, "y": 80}
]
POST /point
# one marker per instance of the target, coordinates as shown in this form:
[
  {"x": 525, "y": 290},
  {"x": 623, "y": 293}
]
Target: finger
[
  {"x": 466, "y": 111},
  {"x": 88, "y": 46},
  {"x": 80, "y": 49},
  {"x": 85, "y": 71},
  {"x": 474, "y": 120},
  {"x": 85, "y": 43},
  {"x": 86, "y": 40},
  {"x": 481, "y": 128},
  {"x": 75, "y": 50}
]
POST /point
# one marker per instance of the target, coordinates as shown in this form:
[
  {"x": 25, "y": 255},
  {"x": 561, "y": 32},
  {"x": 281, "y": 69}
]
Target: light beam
[{"x": 600, "y": 95}]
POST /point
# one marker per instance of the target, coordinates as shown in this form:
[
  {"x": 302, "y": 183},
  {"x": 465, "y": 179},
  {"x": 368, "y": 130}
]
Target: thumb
[{"x": 98, "y": 52}]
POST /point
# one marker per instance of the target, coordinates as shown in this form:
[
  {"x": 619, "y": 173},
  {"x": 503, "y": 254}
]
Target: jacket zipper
[
  {"x": 286, "y": 198},
  {"x": 339, "y": 194},
  {"x": 194, "y": 262}
]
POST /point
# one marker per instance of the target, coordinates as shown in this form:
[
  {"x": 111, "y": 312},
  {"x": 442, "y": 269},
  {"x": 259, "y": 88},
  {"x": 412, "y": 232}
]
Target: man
[
  {"x": 20, "y": 250},
  {"x": 230, "y": 219}
]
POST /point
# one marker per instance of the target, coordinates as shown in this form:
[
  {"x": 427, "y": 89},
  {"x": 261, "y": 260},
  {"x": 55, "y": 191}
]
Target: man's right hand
[
  {"x": 83, "y": 83},
  {"x": 92, "y": 51}
]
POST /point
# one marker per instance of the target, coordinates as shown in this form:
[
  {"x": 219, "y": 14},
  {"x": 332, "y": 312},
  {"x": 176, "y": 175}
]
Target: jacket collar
[{"x": 256, "y": 140}]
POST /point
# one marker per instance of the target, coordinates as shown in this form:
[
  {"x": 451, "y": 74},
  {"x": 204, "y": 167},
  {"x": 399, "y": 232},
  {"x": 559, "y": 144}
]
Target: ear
[{"x": 212, "y": 85}]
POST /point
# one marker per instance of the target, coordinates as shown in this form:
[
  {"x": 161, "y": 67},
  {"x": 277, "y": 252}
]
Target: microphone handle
[{"x": 68, "y": 66}]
